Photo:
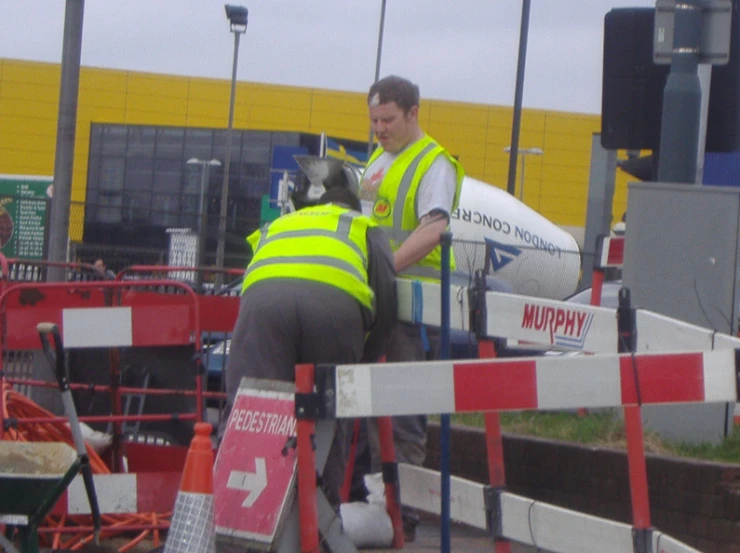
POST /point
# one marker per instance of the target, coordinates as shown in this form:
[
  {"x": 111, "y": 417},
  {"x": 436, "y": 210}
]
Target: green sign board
[
  {"x": 267, "y": 212},
  {"x": 24, "y": 205}
]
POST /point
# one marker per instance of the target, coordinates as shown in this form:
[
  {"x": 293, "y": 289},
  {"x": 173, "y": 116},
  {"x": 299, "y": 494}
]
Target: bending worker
[
  {"x": 320, "y": 288},
  {"x": 410, "y": 187}
]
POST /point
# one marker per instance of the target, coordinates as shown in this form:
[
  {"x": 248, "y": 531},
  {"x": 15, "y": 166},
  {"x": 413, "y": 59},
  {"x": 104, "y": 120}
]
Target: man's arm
[
  {"x": 422, "y": 241},
  {"x": 382, "y": 279}
]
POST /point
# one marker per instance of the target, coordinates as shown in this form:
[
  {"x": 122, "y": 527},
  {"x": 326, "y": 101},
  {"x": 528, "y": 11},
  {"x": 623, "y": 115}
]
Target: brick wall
[{"x": 696, "y": 502}]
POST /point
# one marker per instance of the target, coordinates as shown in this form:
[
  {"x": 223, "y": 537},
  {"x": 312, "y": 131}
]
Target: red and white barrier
[
  {"x": 656, "y": 332},
  {"x": 524, "y": 520},
  {"x": 553, "y": 323},
  {"x": 556, "y": 324},
  {"x": 629, "y": 380},
  {"x": 612, "y": 252},
  {"x": 552, "y": 528},
  {"x": 537, "y": 383},
  {"x": 86, "y": 318},
  {"x": 142, "y": 492},
  {"x": 661, "y": 372}
]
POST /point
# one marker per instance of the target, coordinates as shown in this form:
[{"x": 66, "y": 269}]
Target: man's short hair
[
  {"x": 341, "y": 195},
  {"x": 394, "y": 89}
]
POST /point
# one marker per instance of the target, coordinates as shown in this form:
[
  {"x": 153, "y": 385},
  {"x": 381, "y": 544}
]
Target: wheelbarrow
[{"x": 33, "y": 476}]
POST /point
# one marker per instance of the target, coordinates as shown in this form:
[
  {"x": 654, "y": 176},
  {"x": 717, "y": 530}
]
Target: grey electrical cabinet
[{"x": 681, "y": 260}]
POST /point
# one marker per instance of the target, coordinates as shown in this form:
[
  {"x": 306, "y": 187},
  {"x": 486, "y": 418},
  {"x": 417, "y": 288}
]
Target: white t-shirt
[{"x": 436, "y": 189}]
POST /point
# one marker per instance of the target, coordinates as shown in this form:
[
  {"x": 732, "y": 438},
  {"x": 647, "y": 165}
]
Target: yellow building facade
[{"x": 556, "y": 183}]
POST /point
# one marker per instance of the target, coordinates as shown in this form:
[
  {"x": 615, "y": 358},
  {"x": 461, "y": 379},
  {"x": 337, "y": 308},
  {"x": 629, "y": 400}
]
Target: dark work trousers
[
  {"x": 409, "y": 432},
  {"x": 285, "y": 322}
]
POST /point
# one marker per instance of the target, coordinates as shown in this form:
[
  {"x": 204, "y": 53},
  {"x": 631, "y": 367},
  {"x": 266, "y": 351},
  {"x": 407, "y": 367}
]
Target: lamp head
[{"x": 237, "y": 16}]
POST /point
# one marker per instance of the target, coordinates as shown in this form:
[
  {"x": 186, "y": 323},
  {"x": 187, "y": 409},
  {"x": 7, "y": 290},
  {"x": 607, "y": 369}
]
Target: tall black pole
[
  {"x": 221, "y": 243},
  {"x": 516, "y": 124},
  {"x": 679, "y": 135},
  {"x": 66, "y": 128},
  {"x": 203, "y": 220},
  {"x": 377, "y": 69}
]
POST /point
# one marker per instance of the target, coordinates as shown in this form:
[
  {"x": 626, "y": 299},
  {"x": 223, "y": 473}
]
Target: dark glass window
[
  {"x": 96, "y": 140},
  {"x": 189, "y": 204},
  {"x": 256, "y": 147},
  {"x": 109, "y": 206},
  {"x": 219, "y": 145},
  {"x": 93, "y": 173},
  {"x": 191, "y": 181},
  {"x": 139, "y": 173},
  {"x": 111, "y": 173},
  {"x": 165, "y": 209},
  {"x": 114, "y": 140},
  {"x": 140, "y": 142},
  {"x": 170, "y": 143},
  {"x": 139, "y": 182},
  {"x": 168, "y": 175},
  {"x": 286, "y": 139},
  {"x": 136, "y": 207},
  {"x": 198, "y": 143}
]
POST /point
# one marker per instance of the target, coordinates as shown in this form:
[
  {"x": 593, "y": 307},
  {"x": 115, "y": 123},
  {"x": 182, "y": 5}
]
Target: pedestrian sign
[{"x": 254, "y": 473}]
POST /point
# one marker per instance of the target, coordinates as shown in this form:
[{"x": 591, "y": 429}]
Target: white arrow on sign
[{"x": 252, "y": 482}]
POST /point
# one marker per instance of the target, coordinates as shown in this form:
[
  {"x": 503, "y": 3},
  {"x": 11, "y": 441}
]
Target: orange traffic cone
[{"x": 192, "y": 529}]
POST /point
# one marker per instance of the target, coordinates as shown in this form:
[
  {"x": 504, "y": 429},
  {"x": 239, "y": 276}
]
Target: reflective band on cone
[{"x": 192, "y": 529}]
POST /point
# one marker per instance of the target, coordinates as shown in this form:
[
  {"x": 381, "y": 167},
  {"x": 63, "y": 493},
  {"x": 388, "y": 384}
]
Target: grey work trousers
[{"x": 285, "y": 322}]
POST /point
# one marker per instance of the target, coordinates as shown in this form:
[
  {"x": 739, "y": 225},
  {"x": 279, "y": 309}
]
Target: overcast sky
[{"x": 464, "y": 50}]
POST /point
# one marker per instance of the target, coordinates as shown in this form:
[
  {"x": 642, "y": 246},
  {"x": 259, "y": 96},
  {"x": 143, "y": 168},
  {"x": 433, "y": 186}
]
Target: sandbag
[{"x": 367, "y": 524}]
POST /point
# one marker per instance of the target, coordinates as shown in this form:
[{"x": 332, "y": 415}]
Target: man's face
[{"x": 394, "y": 128}]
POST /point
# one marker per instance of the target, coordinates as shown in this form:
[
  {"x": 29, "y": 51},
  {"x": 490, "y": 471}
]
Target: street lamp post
[
  {"x": 524, "y": 152},
  {"x": 377, "y": 69},
  {"x": 237, "y": 16},
  {"x": 205, "y": 165}
]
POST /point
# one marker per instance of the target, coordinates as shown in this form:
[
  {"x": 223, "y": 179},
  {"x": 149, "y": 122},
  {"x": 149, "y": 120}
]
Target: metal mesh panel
[
  {"x": 20, "y": 365},
  {"x": 37, "y": 271},
  {"x": 117, "y": 258},
  {"x": 76, "y": 220},
  {"x": 183, "y": 252},
  {"x": 33, "y": 365},
  {"x": 469, "y": 256}
]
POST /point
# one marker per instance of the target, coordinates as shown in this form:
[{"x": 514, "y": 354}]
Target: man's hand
[{"x": 422, "y": 241}]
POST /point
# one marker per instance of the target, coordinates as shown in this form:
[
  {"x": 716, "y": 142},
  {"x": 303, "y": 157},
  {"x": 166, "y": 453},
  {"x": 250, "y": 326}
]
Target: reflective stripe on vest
[
  {"x": 348, "y": 274},
  {"x": 343, "y": 229},
  {"x": 396, "y": 232}
]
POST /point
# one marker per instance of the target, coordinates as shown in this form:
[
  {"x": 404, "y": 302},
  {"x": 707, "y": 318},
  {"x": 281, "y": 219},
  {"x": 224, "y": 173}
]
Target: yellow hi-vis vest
[
  {"x": 395, "y": 206},
  {"x": 325, "y": 243}
]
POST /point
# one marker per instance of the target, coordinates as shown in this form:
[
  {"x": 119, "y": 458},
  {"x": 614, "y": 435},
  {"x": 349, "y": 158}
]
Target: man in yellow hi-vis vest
[
  {"x": 410, "y": 187},
  {"x": 320, "y": 288}
]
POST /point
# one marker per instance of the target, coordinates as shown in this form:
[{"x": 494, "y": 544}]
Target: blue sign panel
[{"x": 282, "y": 160}]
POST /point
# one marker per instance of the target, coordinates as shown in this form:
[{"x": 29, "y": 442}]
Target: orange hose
[{"x": 18, "y": 406}]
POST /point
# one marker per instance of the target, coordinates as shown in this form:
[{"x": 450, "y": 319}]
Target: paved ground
[{"x": 463, "y": 540}]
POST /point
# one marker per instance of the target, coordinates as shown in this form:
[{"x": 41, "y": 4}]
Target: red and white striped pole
[
  {"x": 307, "y": 502},
  {"x": 633, "y": 423},
  {"x": 494, "y": 444}
]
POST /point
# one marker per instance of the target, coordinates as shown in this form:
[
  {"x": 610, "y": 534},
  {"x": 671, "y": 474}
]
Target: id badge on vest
[{"x": 372, "y": 204}]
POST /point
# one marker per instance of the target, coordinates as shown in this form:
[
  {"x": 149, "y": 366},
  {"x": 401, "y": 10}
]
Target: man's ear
[{"x": 413, "y": 114}]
